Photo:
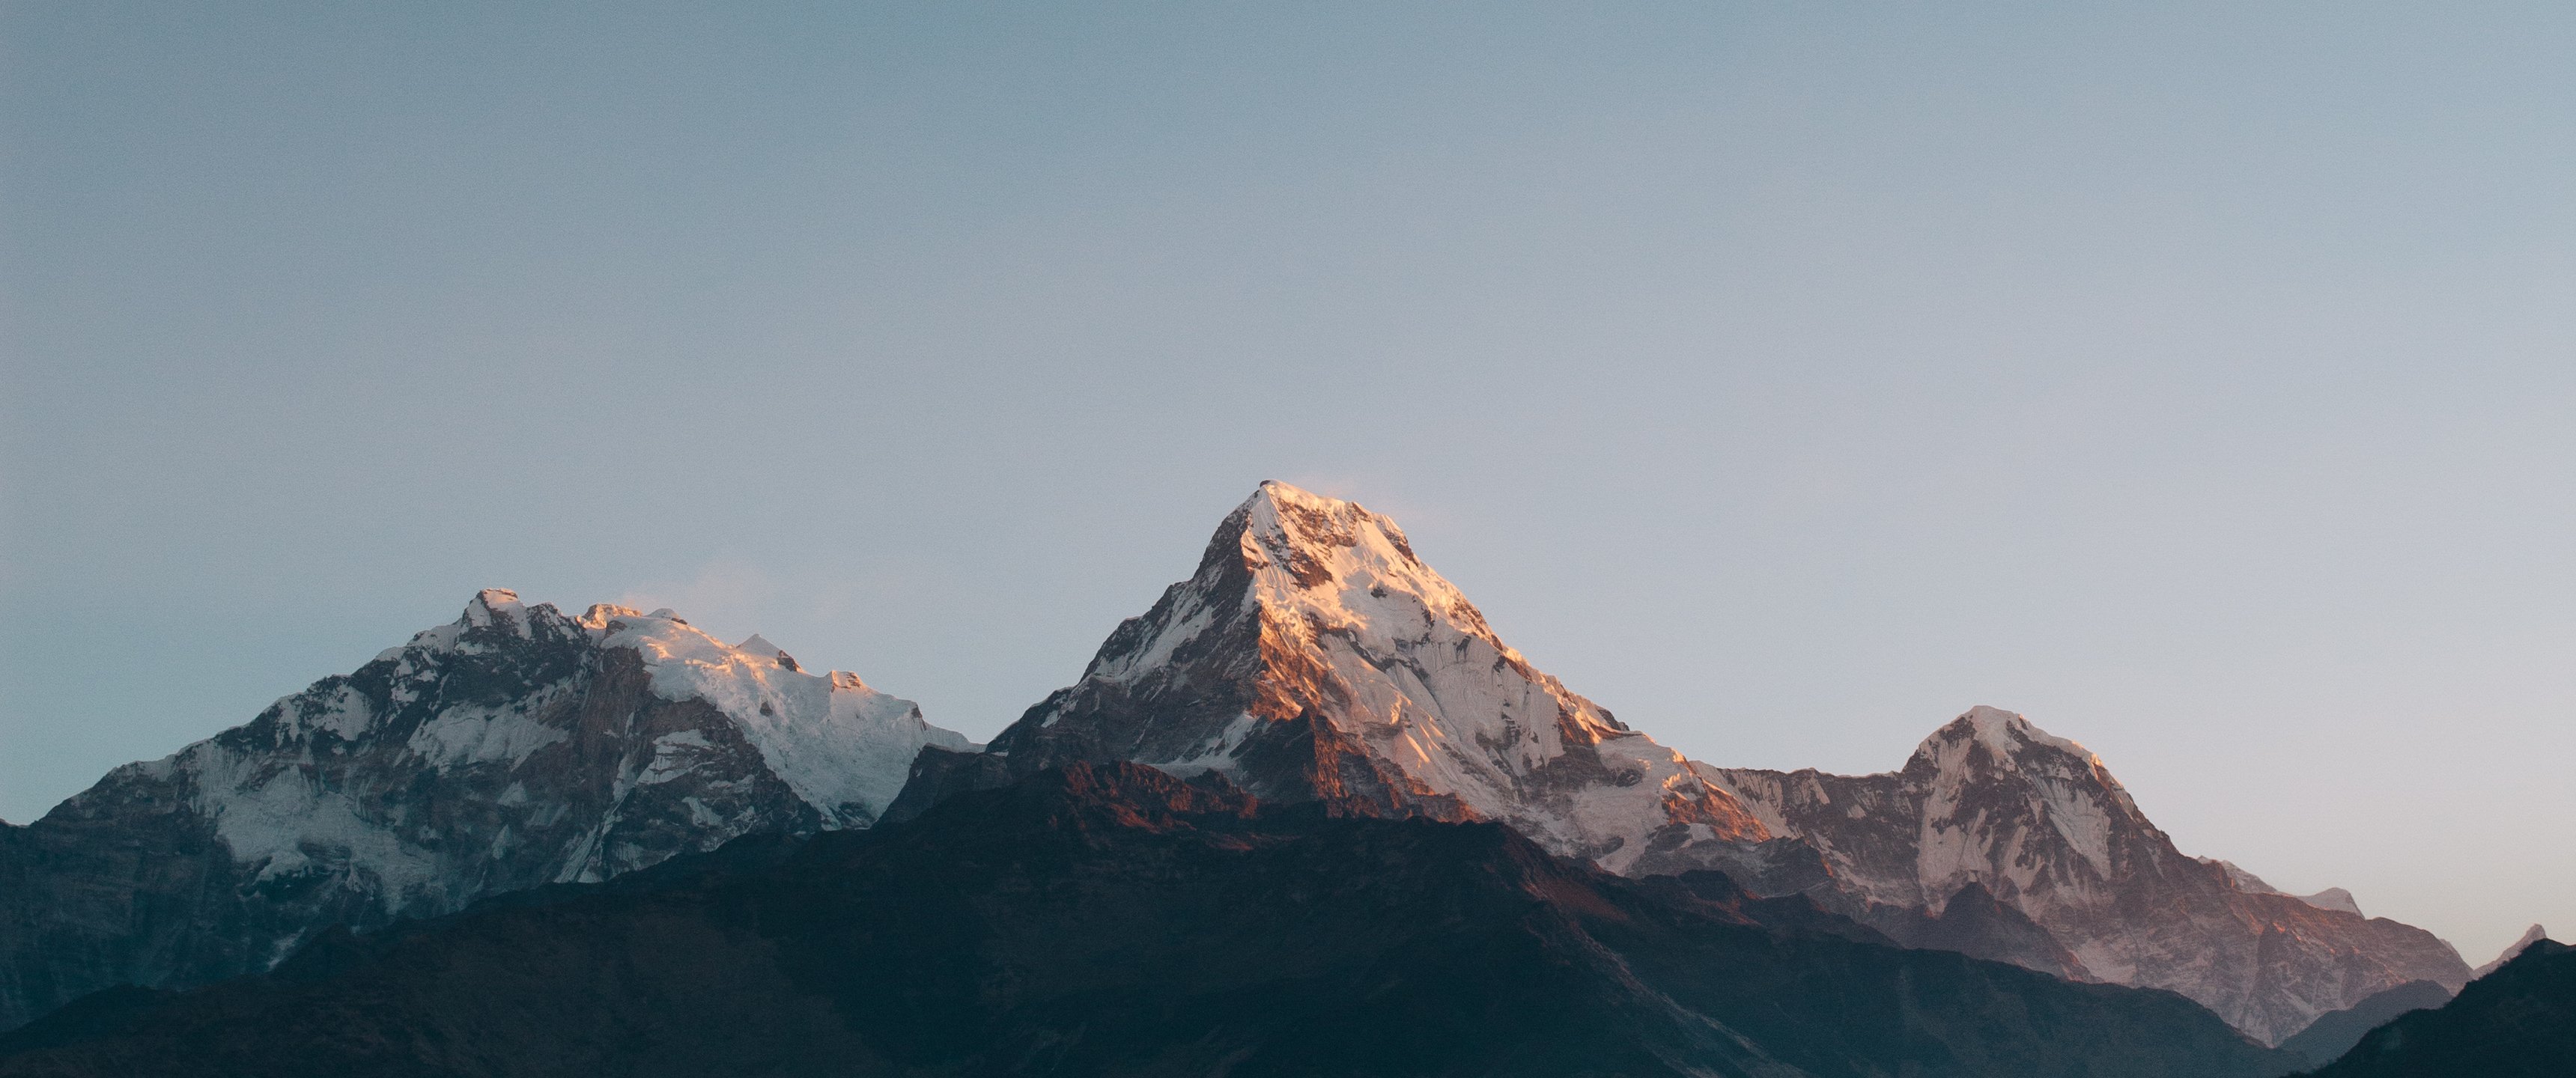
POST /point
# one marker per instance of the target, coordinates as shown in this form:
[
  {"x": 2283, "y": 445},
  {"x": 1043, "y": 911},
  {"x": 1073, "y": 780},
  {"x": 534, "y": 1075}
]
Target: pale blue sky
[{"x": 2197, "y": 379}]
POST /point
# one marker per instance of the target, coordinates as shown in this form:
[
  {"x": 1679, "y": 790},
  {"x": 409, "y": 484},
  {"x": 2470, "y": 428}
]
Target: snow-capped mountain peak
[
  {"x": 1992, "y": 802},
  {"x": 1296, "y": 541},
  {"x": 512, "y": 747},
  {"x": 2075, "y": 795},
  {"x": 1302, "y": 558},
  {"x": 2008, "y": 735},
  {"x": 1313, "y": 655},
  {"x": 844, "y": 748},
  {"x": 757, "y": 645},
  {"x": 496, "y": 606}
]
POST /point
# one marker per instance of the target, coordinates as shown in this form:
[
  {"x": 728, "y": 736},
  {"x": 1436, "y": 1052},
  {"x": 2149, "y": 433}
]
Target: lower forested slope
[
  {"x": 2517, "y": 1022},
  {"x": 1110, "y": 919}
]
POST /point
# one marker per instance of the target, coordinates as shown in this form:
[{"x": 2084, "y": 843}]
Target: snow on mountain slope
[
  {"x": 512, "y": 748},
  {"x": 1992, "y": 802},
  {"x": 840, "y": 746},
  {"x": 1313, "y": 656}
]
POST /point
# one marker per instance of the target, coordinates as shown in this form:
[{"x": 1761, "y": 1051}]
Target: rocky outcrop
[{"x": 513, "y": 748}]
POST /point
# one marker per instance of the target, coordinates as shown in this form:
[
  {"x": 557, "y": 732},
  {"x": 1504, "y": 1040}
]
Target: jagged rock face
[
  {"x": 1314, "y": 657},
  {"x": 513, "y": 748},
  {"x": 1990, "y": 802}
]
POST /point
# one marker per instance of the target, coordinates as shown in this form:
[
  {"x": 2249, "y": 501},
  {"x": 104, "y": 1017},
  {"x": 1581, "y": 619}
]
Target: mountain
[
  {"x": 1114, "y": 919},
  {"x": 2039, "y": 824},
  {"x": 2333, "y": 1034},
  {"x": 2332, "y": 898},
  {"x": 2517, "y": 1022},
  {"x": 513, "y": 748},
  {"x": 1314, "y": 657},
  {"x": 2530, "y": 936}
]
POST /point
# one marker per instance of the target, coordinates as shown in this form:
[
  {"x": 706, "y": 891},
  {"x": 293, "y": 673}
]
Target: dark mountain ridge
[
  {"x": 1112, "y": 919},
  {"x": 2516, "y": 1022},
  {"x": 2330, "y": 1036}
]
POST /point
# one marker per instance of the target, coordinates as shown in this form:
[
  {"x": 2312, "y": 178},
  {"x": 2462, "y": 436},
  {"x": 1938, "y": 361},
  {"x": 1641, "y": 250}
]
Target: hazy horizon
[{"x": 2194, "y": 381}]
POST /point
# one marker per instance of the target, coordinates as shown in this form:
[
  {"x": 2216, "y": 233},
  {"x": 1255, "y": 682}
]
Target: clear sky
[{"x": 2199, "y": 380}]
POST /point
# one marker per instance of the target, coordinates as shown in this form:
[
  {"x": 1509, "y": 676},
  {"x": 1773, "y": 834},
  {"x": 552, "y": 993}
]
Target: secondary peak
[{"x": 495, "y": 605}]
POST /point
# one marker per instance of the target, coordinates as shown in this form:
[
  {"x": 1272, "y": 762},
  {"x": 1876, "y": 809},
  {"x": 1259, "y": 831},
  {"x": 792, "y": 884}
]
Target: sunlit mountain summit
[
  {"x": 1311, "y": 658},
  {"x": 1313, "y": 655}
]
